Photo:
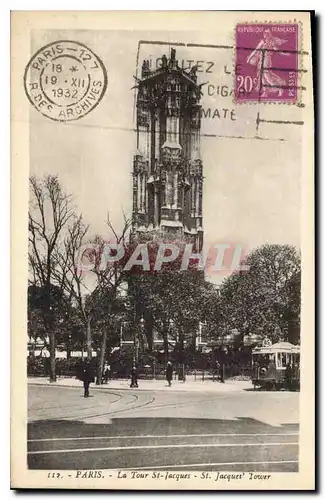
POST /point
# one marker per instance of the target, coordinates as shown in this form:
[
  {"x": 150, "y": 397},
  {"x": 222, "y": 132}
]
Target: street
[{"x": 134, "y": 429}]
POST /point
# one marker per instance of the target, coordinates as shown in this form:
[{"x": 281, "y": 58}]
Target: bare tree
[
  {"x": 81, "y": 259},
  {"x": 58, "y": 252},
  {"x": 69, "y": 272},
  {"x": 51, "y": 218},
  {"x": 110, "y": 276}
]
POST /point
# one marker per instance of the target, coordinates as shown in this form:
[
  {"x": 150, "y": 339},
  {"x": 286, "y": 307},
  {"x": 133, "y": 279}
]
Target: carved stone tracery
[{"x": 168, "y": 124}]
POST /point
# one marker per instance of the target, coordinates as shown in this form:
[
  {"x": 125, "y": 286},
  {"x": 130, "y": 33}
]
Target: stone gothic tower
[{"x": 167, "y": 168}]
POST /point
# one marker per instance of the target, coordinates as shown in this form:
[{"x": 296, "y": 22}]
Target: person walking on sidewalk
[
  {"x": 169, "y": 373},
  {"x": 87, "y": 377},
  {"x": 106, "y": 372},
  {"x": 288, "y": 376},
  {"x": 134, "y": 377}
]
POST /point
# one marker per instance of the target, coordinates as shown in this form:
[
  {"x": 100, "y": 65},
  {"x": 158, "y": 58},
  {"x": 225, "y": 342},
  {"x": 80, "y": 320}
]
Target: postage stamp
[
  {"x": 65, "y": 80},
  {"x": 267, "y": 57}
]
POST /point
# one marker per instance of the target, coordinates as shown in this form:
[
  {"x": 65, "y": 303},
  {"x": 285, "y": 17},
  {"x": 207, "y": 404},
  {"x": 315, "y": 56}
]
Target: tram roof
[{"x": 278, "y": 347}]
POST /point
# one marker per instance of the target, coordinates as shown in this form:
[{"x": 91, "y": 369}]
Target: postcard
[{"x": 162, "y": 251}]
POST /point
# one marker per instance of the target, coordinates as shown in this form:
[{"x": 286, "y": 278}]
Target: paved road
[{"x": 165, "y": 430}]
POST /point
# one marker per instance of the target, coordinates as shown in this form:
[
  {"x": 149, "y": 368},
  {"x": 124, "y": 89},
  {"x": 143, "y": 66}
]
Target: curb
[{"x": 101, "y": 387}]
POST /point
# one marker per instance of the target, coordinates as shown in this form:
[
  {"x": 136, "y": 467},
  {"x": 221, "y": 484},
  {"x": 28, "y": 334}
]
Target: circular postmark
[{"x": 65, "y": 80}]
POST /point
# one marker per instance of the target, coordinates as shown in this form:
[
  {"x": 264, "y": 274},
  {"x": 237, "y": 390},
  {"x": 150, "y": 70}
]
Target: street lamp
[
  {"x": 199, "y": 340},
  {"x": 136, "y": 341},
  {"x": 140, "y": 337},
  {"x": 171, "y": 329},
  {"x": 121, "y": 332}
]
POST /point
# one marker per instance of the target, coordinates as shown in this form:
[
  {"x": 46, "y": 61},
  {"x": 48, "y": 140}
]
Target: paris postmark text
[{"x": 65, "y": 80}]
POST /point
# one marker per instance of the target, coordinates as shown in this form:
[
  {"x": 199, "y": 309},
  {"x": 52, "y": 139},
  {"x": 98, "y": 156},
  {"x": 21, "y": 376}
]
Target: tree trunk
[
  {"x": 181, "y": 345},
  {"x": 89, "y": 349},
  {"x": 52, "y": 356},
  {"x": 100, "y": 365},
  {"x": 180, "y": 357},
  {"x": 148, "y": 326},
  {"x": 165, "y": 338},
  {"x": 68, "y": 350},
  {"x": 102, "y": 358}
]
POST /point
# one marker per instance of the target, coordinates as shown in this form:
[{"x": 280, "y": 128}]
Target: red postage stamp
[{"x": 267, "y": 58}]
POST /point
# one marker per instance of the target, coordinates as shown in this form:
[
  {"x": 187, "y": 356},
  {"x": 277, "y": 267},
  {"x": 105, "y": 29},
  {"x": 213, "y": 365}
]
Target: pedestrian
[
  {"x": 87, "y": 377},
  {"x": 134, "y": 377},
  {"x": 217, "y": 370},
  {"x": 295, "y": 376},
  {"x": 288, "y": 376},
  {"x": 169, "y": 373},
  {"x": 224, "y": 353},
  {"x": 222, "y": 372},
  {"x": 106, "y": 372}
]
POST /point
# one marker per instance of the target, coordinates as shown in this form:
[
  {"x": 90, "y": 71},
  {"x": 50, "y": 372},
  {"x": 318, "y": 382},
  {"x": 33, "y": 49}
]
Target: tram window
[
  {"x": 261, "y": 359},
  {"x": 265, "y": 360},
  {"x": 283, "y": 360},
  {"x": 296, "y": 358}
]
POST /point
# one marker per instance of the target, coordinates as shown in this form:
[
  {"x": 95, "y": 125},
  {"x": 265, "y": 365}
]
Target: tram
[{"x": 276, "y": 366}]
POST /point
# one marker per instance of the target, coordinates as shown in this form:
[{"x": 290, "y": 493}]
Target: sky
[{"x": 251, "y": 193}]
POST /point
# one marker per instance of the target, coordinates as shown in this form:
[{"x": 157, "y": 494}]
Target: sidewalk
[{"x": 153, "y": 385}]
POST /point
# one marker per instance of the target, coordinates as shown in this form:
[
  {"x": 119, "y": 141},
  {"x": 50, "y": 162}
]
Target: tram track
[
  {"x": 123, "y": 409},
  {"x": 81, "y": 413}
]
